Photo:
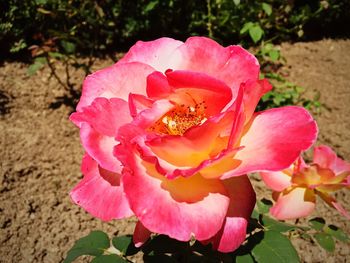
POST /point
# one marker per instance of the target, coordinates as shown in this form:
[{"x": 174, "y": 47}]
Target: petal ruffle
[
  {"x": 253, "y": 91},
  {"x": 232, "y": 65},
  {"x": 178, "y": 208},
  {"x": 296, "y": 203},
  {"x": 274, "y": 139},
  {"x": 277, "y": 181},
  {"x": 112, "y": 83},
  {"x": 190, "y": 89},
  {"x": 155, "y": 53},
  {"x": 326, "y": 158},
  {"x": 100, "y": 147},
  {"x": 104, "y": 115},
  {"x": 100, "y": 192}
]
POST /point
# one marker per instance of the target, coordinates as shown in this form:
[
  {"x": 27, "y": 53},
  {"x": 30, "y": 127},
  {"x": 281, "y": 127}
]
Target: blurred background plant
[{"x": 45, "y": 31}]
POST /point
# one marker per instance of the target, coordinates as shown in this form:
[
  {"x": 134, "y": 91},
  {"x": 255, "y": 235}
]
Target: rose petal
[
  {"x": 155, "y": 53},
  {"x": 274, "y": 139},
  {"x": 178, "y": 208},
  {"x": 111, "y": 82},
  {"x": 341, "y": 210},
  {"x": 242, "y": 201},
  {"x": 100, "y": 147},
  {"x": 299, "y": 202},
  {"x": 199, "y": 87},
  {"x": 106, "y": 116},
  {"x": 100, "y": 192},
  {"x": 141, "y": 234},
  {"x": 326, "y": 158},
  {"x": 277, "y": 181},
  {"x": 189, "y": 88},
  {"x": 333, "y": 203},
  {"x": 138, "y": 103},
  {"x": 253, "y": 91},
  {"x": 232, "y": 65},
  {"x": 158, "y": 86}
]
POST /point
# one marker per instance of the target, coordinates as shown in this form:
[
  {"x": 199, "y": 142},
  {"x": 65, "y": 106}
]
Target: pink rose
[
  {"x": 296, "y": 187},
  {"x": 170, "y": 134}
]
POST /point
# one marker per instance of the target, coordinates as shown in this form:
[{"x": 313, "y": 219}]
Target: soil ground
[{"x": 41, "y": 153}]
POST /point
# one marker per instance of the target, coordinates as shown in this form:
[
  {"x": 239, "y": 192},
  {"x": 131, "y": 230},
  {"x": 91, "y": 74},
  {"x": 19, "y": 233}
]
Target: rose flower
[
  {"x": 295, "y": 188},
  {"x": 170, "y": 134}
]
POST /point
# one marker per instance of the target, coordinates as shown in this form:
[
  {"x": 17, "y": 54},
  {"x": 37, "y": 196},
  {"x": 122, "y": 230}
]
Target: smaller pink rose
[{"x": 295, "y": 188}]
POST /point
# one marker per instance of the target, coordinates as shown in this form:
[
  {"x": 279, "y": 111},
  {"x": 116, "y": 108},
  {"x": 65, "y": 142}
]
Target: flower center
[{"x": 182, "y": 117}]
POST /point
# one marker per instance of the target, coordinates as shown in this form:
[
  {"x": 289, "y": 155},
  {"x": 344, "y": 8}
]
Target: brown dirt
[{"x": 41, "y": 153}]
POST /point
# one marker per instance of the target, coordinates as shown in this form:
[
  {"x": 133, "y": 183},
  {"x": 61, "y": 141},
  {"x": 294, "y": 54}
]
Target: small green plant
[
  {"x": 268, "y": 240},
  {"x": 287, "y": 93},
  {"x": 284, "y": 92},
  {"x": 49, "y": 54}
]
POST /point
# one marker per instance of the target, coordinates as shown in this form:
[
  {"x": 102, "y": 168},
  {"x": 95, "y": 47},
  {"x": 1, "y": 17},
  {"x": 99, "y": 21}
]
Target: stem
[
  {"x": 209, "y": 23},
  {"x": 53, "y": 72}
]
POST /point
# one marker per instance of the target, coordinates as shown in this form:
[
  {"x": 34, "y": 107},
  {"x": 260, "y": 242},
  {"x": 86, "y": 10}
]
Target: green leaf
[
  {"x": 247, "y": 258},
  {"x": 150, "y": 6},
  {"x": 326, "y": 241},
  {"x": 236, "y": 2},
  {"x": 124, "y": 244},
  {"x": 32, "y": 69},
  {"x": 108, "y": 259},
  {"x": 275, "y": 247},
  {"x": 267, "y": 8},
  {"x": 264, "y": 205},
  {"x": 41, "y": 60},
  {"x": 246, "y": 27},
  {"x": 255, "y": 214},
  {"x": 39, "y": 63},
  {"x": 275, "y": 225},
  {"x": 18, "y": 46},
  {"x": 68, "y": 47},
  {"x": 337, "y": 233},
  {"x": 56, "y": 55},
  {"x": 255, "y": 33},
  {"x": 317, "y": 223},
  {"x": 274, "y": 54},
  {"x": 93, "y": 244}
]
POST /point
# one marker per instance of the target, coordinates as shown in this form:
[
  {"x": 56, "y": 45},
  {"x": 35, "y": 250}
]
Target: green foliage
[
  {"x": 286, "y": 93},
  {"x": 98, "y": 26},
  {"x": 317, "y": 223},
  {"x": 336, "y": 233},
  {"x": 39, "y": 63},
  {"x": 263, "y": 205},
  {"x": 268, "y": 240},
  {"x": 325, "y": 235},
  {"x": 274, "y": 225},
  {"x": 93, "y": 244},
  {"x": 275, "y": 247},
  {"x": 325, "y": 241},
  {"x": 125, "y": 245}
]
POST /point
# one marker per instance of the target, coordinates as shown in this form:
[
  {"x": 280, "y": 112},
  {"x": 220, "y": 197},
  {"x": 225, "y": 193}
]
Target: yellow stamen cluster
[{"x": 178, "y": 120}]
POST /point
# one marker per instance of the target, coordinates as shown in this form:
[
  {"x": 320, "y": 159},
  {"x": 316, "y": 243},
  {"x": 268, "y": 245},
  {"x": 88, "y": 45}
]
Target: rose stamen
[{"x": 178, "y": 120}]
